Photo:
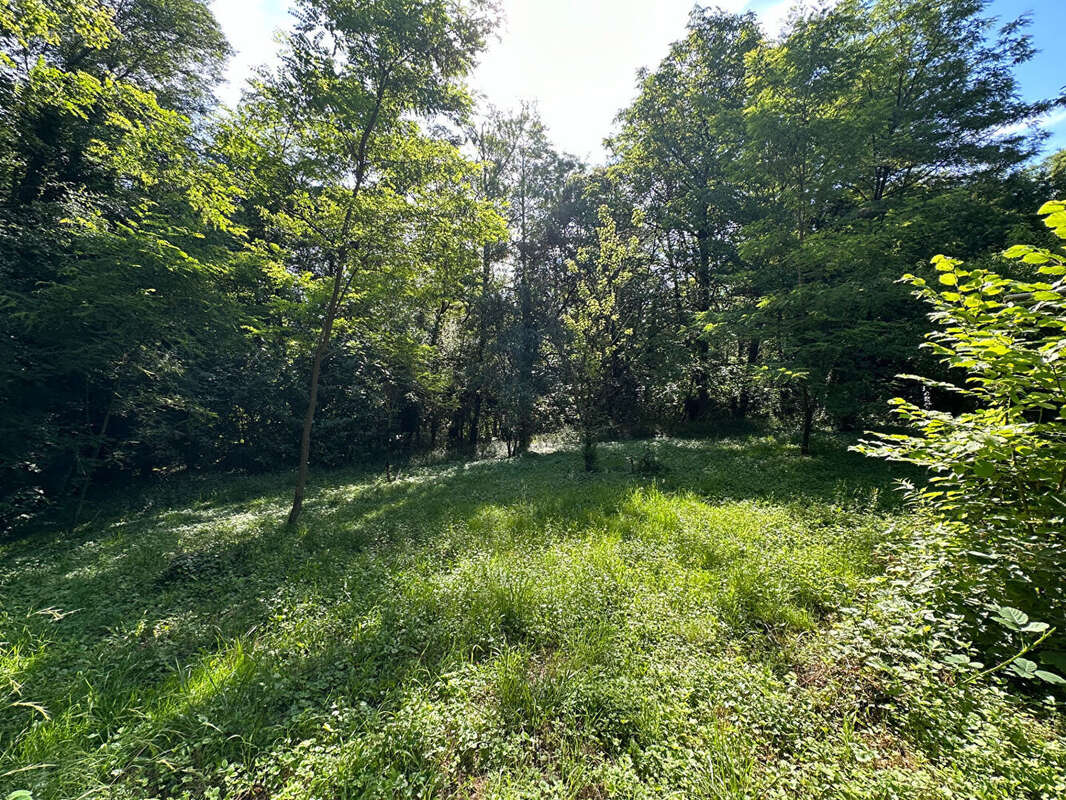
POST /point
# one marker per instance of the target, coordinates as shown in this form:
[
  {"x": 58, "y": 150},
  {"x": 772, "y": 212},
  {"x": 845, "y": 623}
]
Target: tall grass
[{"x": 493, "y": 629}]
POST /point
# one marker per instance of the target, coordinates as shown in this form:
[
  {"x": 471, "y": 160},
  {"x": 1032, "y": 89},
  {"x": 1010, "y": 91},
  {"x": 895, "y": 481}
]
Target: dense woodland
[
  {"x": 359, "y": 262},
  {"x": 356, "y": 442}
]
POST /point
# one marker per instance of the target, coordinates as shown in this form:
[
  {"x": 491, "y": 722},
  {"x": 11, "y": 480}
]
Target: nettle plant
[{"x": 998, "y": 470}]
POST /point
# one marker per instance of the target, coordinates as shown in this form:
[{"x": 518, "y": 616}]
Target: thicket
[
  {"x": 358, "y": 263},
  {"x": 998, "y": 468}
]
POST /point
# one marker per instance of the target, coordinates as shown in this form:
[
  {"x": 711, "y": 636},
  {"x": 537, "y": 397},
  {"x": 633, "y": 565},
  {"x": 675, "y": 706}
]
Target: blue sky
[
  {"x": 577, "y": 59},
  {"x": 1045, "y": 76}
]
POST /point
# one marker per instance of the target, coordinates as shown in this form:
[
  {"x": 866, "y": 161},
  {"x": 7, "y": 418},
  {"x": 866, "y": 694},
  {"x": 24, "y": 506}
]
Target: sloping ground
[{"x": 735, "y": 624}]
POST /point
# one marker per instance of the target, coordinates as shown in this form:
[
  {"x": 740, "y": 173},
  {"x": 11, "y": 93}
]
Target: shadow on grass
[{"x": 263, "y": 627}]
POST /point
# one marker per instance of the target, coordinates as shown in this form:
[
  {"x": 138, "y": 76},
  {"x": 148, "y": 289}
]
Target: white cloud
[
  {"x": 774, "y": 17},
  {"x": 250, "y": 26},
  {"x": 577, "y": 59},
  {"x": 1054, "y": 120},
  {"x": 1047, "y": 121}
]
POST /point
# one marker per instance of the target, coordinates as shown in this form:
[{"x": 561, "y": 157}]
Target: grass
[{"x": 729, "y": 626}]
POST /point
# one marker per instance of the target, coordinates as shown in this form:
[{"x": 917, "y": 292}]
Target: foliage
[
  {"x": 998, "y": 467},
  {"x": 598, "y": 326},
  {"x": 505, "y": 629}
]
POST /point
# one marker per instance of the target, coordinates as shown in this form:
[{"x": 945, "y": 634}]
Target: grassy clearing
[{"x": 732, "y": 626}]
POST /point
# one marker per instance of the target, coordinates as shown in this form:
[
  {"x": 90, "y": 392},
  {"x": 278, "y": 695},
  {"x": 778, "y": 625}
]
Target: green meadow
[{"x": 699, "y": 618}]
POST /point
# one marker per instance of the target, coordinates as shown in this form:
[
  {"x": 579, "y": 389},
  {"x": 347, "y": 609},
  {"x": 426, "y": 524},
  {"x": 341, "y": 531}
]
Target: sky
[{"x": 577, "y": 59}]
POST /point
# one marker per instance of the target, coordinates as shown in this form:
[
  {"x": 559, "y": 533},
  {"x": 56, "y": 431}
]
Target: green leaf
[
  {"x": 1050, "y": 677},
  {"x": 1035, "y": 627},
  {"x": 1010, "y": 617},
  {"x": 948, "y": 279},
  {"x": 942, "y": 262},
  {"x": 1036, "y": 258},
  {"x": 1023, "y": 668},
  {"x": 22, "y": 794}
]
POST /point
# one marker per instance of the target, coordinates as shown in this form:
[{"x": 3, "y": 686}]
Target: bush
[
  {"x": 1002, "y": 466},
  {"x": 999, "y": 469}
]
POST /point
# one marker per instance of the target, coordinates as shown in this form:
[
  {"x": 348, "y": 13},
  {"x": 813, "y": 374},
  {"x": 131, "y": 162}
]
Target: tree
[
  {"x": 597, "y": 328},
  {"x": 335, "y": 131},
  {"x": 859, "y": 119},
  {"x": 678, "y": 149}
]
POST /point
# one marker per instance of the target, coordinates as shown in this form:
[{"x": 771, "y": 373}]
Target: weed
[{"x": 740, "y": 624}]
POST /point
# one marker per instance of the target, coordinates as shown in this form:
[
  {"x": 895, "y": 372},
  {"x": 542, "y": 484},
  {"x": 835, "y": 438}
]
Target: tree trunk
[
  {"x": 525, "y": 371},
  {"x": 434, "y": 430},
  {"x": 92, "y": 463},
  {"x": 588, "y": 452},
  {"x": 475, "y": 424},
  {"x": 808, "y": 422},
  {"x": 523, "y": 438},
  {"x": 457, "y": 426},
  {"x": 312, "y": 400},
  {"x": 697, "y": 403},
  {"x": 527, "y": 344},
  {"x": 744, "y": 403}
]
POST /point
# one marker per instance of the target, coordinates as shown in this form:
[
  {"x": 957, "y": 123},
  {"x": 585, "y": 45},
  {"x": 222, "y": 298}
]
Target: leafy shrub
[
  {"x": 999, "y": 468},
  {"x": 909, "y": 665}
]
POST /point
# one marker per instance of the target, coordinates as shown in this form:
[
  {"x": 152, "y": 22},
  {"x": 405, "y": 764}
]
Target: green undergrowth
[{"x": 698, "y": 619}]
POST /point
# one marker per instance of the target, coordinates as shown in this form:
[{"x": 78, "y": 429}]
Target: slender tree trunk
[
  {"x": 438, "y": 322},
  {"x": 528, "y": 354},
  {"x": 475, "y": 423},
  {"x": 434, "y": 430},
  {"x": 461, "y": 438},
  {"x": 526, "y": 341},
  {"x": 808, "y": 421},
  {"x": 588, "y": 450},
  {"x": 97, "y": 451},
  {"x": 698, "y": 401},
  {"x": 744, "y": 404},
  {"x": 457, "y": 426},
  {"x": 524, "y": 436},
  {"x": 312, "y": 401}
]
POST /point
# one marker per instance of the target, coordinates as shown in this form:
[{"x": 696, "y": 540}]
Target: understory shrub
[{"x": 998, "y": 469}]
